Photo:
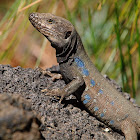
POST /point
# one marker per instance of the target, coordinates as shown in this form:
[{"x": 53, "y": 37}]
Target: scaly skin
[{"x": 83, "y": 79}]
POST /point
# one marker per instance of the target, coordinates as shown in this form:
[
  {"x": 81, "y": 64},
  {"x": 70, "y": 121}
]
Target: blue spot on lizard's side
[
  {"x": 112, "y": 103},
  {"x": 101, "y": 91},
  {"x": 96, "y": 108},
  {"x": 85, "y": 101},
  {"x": 92, "y": 82},
  {"x": 111, "y": 122},
  {"x": 81, "y": 65},
  {"x": 102, "y": 115},
  {"x": 79, "y": 62},
  {"x": 87, "y": 98},
  {"x": 85, "y": 72}
]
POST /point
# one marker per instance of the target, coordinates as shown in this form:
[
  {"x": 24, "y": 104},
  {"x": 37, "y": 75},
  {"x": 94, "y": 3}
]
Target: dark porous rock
[
  {"x": 67, "y": 120},
  {"x": 17, "y": 121}
]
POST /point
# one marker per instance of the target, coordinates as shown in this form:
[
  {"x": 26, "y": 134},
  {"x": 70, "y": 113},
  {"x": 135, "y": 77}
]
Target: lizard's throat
[{"x": 67, "y": 51}]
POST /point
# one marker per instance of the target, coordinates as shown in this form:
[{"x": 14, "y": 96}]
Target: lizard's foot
[
  {"x": 56, "y": 92},
  {"x": 54, "y": 76}
]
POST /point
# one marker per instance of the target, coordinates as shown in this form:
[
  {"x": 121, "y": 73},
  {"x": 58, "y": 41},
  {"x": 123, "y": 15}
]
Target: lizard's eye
[
  {"x": 68, "y": 34},
  {"x": 50, "y": 21}
]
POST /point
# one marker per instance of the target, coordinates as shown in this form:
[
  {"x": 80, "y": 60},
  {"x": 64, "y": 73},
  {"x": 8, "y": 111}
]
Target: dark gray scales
[{"x": 83, "y": 79}]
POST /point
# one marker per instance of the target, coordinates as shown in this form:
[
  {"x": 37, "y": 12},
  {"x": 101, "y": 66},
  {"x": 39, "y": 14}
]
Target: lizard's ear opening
[{"x": 68, "y": 34}]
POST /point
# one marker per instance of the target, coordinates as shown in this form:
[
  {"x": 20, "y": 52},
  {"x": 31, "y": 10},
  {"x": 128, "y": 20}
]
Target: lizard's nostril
[{"x": 32, "y": 15}]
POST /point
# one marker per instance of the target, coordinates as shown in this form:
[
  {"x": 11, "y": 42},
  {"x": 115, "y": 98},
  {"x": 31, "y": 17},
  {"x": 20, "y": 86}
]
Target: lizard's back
[{"x": 103, "y": 100}]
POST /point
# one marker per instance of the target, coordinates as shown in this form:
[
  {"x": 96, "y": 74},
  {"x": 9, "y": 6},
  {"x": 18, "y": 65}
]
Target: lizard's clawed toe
[
  {"x": 44, "y": 90},
  {"x": 55, "y": 92}
]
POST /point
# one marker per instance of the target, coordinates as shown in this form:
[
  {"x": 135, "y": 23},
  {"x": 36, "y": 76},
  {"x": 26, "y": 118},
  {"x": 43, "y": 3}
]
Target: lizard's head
[{"x": 58, "y": 30}]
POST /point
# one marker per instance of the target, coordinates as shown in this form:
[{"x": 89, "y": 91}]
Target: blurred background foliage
[{"x": 110, "y": 31}]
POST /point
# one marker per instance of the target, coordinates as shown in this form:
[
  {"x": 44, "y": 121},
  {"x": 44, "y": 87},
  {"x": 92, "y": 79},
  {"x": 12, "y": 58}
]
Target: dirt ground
[{"x": 27, "y": 113}]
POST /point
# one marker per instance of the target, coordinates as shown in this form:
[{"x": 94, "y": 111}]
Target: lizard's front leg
[
  {"x": 68, "y": 89},
  {"x": 54, "y": 76}
]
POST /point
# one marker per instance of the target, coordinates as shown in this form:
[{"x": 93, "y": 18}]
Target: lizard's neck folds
[{"x": 68, "y": 51}]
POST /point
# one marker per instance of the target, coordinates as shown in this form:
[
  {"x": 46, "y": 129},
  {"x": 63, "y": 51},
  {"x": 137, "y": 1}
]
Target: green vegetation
[{"x": 110, "y": 32}]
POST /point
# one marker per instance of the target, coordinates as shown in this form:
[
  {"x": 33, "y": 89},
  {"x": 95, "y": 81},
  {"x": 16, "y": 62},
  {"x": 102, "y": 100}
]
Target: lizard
[{"x": 83, "y": 79}]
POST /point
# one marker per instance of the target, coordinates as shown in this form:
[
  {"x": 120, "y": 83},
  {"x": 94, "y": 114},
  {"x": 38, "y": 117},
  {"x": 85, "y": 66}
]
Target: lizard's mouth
[{"x": 38, "y": 25}]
